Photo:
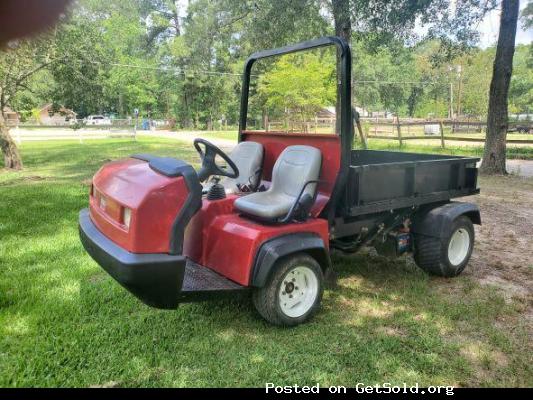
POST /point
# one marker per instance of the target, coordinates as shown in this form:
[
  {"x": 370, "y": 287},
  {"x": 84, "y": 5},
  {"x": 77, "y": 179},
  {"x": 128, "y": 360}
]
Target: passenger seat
[{"x": 295, "y": 169}]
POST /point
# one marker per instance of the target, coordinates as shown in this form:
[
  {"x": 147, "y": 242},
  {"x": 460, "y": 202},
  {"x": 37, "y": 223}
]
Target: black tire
[
  {"x": 266, "y": 299},
  {"x": 432, "y": 255}
]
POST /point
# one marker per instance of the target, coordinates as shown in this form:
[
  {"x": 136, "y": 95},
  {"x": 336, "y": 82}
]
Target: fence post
[
  {"x": 399, "y": 131},
  {"x": 441, "y": 134}
]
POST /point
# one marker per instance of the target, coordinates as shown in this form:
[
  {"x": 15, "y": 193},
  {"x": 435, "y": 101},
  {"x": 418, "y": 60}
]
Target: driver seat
[
  {"x": 293, "y": 171},
  {"x": 248, "y": 157}
]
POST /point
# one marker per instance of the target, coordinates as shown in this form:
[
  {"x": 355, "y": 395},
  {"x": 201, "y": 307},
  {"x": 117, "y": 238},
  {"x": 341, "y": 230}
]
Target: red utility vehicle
[{"x": 267, "y": 227}]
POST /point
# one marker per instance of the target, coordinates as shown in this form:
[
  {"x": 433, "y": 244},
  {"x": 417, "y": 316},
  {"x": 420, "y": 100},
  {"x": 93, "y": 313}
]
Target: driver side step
[{"x": 202, "y": 283}]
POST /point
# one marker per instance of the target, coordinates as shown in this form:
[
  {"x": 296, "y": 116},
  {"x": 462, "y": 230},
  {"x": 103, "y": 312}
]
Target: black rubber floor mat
[{"x": 199, "y": 278}]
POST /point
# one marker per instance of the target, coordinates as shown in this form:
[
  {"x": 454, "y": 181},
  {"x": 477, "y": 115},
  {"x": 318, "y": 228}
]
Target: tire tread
[
  {"x": 265, "y": 299},
  {"x": 431, "y": 253}
]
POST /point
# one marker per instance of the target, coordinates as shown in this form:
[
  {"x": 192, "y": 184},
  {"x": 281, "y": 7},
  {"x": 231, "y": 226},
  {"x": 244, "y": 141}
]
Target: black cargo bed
[{"x": 388, "y": 180}]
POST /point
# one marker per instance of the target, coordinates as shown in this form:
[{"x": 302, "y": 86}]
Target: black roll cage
[{"x": 346, "y": 127}]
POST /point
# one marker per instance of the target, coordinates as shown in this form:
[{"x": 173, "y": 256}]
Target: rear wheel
[
  {"x": 293, "y": 292},
  {"x": 446, "y": 256}
]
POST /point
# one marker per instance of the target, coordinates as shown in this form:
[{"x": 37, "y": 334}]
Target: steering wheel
[{"x": 209, "y": 166}]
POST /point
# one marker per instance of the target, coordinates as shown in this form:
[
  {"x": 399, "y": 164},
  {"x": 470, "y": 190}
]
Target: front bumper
[{"x": 156, "y": 278}]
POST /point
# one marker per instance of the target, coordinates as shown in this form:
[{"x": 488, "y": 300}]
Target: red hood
[
  {"x": 154, "y": 199},
  {"x": 128, "y": 181}
]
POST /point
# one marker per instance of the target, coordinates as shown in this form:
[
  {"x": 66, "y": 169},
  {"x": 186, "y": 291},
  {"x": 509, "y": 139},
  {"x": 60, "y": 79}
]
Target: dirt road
[{"x": 503, "y": 254}]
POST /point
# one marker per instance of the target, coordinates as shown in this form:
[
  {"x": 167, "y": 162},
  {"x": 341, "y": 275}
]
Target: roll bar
[{"x": 346, "y": 127}]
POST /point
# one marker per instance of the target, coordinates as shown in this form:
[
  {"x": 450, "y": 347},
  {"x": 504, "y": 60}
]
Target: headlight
[
  {"x": 103, "y": 202},
  {"x": 126, "y": 216}
]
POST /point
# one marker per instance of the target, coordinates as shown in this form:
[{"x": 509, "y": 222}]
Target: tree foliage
[
  {"x": 183, "y": 61},
  {"x": 300, "y": 85}
]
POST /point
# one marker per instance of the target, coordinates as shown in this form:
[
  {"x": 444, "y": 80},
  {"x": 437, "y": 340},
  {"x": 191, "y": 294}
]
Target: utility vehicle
[{"x": 285, "y": 199}]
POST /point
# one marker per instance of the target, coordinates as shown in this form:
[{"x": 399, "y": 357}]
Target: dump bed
[{"x": 388, "y": 180}]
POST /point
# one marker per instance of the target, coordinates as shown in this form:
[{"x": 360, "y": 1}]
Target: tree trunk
[
  {"x": 11, "y": 154},
  {"x": 343, "y": 28},
  {"x": 497, "y": 118},
  {"x": 265, "y": 119}
]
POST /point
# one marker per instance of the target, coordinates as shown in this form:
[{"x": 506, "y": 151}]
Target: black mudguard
[
  {"x": 434, "y": 221},
  {"x": 274, "y": 249}
]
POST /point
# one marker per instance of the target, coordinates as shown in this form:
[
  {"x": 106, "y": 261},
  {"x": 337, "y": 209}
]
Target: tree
[
  {"x": 497, "y": 118},
  {"x": 17, "y": 66},
  {"x": 299, "y": 85},
  {"x": 521, "y": 89}
]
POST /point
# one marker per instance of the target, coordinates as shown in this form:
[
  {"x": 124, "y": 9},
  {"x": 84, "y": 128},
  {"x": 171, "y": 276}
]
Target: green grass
[
  {"x": 64, "y": 322},
  {"x": 227, "y": 135}
]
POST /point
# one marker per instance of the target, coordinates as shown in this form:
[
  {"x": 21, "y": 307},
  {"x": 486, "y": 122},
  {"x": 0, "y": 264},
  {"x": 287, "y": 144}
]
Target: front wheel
[
  {"x": 446, "y": 256},
  {"x": 293, "y": 292}
]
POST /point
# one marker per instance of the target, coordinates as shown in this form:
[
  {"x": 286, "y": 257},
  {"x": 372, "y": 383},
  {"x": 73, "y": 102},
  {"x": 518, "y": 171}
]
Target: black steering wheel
[{"x": 209, "y": 165}]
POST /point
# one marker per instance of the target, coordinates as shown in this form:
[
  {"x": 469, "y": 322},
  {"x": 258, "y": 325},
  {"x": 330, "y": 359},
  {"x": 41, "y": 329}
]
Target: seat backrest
[
  {"x": 248, "y": 157},
  {"x": 295, "y": 166}
]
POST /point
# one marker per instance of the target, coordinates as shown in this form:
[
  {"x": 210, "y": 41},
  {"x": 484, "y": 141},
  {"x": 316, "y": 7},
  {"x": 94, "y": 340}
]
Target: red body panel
[
  {"x": 217, "y": 236},
  {"x": 154, "y": 200},
  {"x": 222, "y": 240}
]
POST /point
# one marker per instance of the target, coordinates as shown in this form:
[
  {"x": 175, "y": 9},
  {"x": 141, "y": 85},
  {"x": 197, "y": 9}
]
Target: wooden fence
[
  {"x": 402, "y": 131},
  {"x": 34, "y": 133}
]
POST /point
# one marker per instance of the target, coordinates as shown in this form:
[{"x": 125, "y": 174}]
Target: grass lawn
[{"x": 65, "y": 322}]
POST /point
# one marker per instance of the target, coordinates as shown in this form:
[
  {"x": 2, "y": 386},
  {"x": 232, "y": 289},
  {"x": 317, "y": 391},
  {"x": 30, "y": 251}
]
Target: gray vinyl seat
[
  {"x": 295, "y": 166},
  {"x": 248, "y": 157}
]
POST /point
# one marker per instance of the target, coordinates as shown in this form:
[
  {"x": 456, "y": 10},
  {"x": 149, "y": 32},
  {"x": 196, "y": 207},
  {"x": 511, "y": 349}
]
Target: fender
[
  {"x": 434, "y": 221},
  {"x": 274, "y": 249}
]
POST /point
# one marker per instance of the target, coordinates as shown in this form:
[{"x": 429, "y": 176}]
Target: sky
[{"x": 488, "y": 29}]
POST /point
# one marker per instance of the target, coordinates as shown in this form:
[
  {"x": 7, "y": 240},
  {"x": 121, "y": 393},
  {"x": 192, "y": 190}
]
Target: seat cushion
[{"x": 266, "y": 205}]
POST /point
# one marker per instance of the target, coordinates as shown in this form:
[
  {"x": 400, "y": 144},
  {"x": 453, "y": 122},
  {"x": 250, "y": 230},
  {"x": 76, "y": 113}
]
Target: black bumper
[{"x": 156, "y": 279}]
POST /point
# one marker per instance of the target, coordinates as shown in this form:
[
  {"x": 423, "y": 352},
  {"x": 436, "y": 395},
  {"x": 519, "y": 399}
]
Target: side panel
[
  {"x": 434, "y": 221},
  {"x": 222, "y": 240},
  {"x": 379, "y": 181}
]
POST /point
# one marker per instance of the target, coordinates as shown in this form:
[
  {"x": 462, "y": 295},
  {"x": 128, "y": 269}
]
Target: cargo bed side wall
[{"x": 383, "y": 186}]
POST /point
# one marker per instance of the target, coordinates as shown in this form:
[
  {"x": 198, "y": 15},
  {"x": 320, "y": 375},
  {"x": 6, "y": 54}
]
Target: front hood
[
  {"x": 128, "y": 181},
  {"x": 154, "y": 202}
]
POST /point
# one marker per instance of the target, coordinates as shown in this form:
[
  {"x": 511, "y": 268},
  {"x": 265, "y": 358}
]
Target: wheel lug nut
[
  {"x": 283, "y": 293},
  {"x": 294, "y": 279},
  {"x": 296, "y": 287},
  {"x": 290, "y": 296}
]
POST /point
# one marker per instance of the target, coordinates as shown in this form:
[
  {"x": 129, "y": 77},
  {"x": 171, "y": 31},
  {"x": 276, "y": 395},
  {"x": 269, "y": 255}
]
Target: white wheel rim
[
  {"x": 298, "y": 291},
  {"x": 459, "y": 246}
]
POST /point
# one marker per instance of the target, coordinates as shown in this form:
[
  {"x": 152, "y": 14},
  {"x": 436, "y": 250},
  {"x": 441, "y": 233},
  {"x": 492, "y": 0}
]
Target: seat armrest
[{"x": 290, "y": 215}]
